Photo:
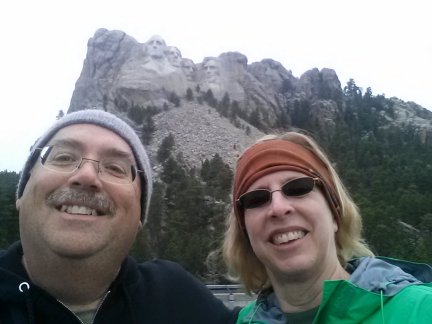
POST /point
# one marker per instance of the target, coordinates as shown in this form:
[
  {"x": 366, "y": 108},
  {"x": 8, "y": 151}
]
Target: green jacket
[{"x": 377, "y": 292}]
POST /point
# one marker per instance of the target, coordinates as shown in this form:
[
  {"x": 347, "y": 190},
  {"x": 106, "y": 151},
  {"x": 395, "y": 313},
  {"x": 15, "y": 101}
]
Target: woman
[{"x": 294, "y": 238}]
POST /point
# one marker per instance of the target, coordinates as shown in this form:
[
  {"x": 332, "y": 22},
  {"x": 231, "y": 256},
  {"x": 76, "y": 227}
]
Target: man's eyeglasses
[
  {"x": 116, "y": 170},
  {"x": 293, "y": 188}
]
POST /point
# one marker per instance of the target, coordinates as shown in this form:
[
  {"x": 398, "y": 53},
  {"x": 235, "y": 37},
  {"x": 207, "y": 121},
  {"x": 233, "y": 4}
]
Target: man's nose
[
  {"x": 94, "y": 163},
  {"x": 87, "y": 174}
]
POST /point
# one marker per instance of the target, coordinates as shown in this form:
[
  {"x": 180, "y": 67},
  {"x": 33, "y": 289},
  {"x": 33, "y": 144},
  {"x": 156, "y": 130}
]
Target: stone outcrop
[
  {"x": 118, "y": 68},
  {"x": 119, "y": 73},
  {"x": 107, "y": 52}
]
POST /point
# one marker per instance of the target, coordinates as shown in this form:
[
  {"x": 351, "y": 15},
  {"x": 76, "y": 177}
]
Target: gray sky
[{"x": 385, "y": 45}]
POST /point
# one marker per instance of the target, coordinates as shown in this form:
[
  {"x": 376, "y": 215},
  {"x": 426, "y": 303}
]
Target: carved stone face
[
  {"x": 211, "y": 69},
  {"x": 156, "y": 47},
  {"x": 188, "y": 68},
  {"x": 174, "y": 56}
]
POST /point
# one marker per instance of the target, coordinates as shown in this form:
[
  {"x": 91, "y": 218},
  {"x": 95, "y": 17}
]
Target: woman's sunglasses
[{"x": 293, "y": 188}]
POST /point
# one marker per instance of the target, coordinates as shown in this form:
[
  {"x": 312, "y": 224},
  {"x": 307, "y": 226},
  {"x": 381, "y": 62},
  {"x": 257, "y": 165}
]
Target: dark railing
[{"x": 231, "y": 295}]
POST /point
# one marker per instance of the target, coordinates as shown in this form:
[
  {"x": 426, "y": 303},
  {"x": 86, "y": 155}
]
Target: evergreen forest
[{"x": 387, "y": 169}]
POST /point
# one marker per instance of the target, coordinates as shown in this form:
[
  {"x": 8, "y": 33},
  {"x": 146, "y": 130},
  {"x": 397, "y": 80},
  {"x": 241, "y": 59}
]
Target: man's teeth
[
  {"x": 82, "y": 210},
  {"x": 286, "y": 237}
]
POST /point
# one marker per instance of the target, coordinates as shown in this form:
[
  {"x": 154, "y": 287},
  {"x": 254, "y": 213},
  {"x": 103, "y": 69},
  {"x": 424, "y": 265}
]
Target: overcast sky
[{"x": 385, "y": 45}]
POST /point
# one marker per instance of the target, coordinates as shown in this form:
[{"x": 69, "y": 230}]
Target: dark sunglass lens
[
  {"x": 298, "y": 187},
  {"x": 255, "y": 199}
]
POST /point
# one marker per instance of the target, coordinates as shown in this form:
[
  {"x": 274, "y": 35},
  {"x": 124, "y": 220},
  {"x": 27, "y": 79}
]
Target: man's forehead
[{"x": 93, "y": 136}]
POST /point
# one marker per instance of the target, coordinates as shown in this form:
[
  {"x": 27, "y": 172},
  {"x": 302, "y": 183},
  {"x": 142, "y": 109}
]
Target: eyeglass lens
[
  {"x": 294, "y": 188},
  {"x": 60, "y": 159}
]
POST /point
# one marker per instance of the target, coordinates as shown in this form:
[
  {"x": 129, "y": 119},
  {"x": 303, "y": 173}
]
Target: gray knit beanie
[{"x": 108, "y": 121}]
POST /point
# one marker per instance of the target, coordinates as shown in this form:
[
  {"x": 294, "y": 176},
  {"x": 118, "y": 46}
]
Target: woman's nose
[{"x": 280, "y": 204}]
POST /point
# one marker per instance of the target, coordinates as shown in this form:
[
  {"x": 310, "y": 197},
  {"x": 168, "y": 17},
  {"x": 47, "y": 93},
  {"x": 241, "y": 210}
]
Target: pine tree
[
  {"x": 189, "y": 94},
  {"x": 165, "y": 148}
]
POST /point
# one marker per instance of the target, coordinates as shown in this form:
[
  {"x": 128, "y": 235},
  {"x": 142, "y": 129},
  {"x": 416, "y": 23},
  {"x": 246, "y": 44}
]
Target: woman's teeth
[{"x": 287, "y": 237}]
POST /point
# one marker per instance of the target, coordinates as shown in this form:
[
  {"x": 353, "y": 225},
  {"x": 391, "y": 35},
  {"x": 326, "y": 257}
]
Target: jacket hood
[{"x": 387, "y": 275}]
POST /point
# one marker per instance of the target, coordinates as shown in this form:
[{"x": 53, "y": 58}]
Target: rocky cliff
[{"x": 219, "y": 105}]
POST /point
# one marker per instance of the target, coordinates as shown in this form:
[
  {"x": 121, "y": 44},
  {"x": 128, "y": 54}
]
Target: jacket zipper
[
  {"x": 100, "y": 305},
  {"x": 97, "y": 309}
]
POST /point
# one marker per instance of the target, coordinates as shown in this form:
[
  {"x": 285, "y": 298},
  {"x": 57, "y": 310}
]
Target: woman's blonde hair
[{"x": 243, "y": 264}]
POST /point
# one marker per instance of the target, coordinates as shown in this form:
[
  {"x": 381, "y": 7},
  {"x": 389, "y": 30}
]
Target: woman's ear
[{"x": 335, "y": 225}]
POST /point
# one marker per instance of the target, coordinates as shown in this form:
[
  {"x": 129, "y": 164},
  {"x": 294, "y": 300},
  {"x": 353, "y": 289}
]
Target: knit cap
[{"x": 110, "y": 122}]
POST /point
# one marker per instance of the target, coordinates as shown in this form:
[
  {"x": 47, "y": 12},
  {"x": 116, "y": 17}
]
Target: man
[{"x": 83, "y": 196}]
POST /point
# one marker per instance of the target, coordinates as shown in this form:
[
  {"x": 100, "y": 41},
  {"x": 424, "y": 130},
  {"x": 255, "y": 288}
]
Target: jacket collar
[{"x": 384, "y": 276}]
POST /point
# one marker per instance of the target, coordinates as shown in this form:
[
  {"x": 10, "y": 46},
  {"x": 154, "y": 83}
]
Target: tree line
[{"x": 388, "y": 171}]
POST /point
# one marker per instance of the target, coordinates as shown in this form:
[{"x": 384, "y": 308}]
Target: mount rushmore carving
[
  {"x": 119, "y": 72},
  {"x": 118, "y": 68}
]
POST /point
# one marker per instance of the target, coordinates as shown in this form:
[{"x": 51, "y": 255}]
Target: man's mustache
[{"x": 72, "y": 196}]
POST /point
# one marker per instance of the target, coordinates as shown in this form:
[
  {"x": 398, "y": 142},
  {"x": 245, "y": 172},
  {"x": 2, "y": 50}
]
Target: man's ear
[{"x": 18, "y": 204}]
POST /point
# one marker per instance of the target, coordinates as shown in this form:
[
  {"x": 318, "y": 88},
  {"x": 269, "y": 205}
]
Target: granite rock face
[
  {"x": 117, "y": 68},
  {"x": 119, "y": 73}
]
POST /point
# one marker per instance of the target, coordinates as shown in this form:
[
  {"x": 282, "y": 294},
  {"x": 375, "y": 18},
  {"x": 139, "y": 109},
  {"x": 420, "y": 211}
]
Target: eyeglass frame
[
  {"x": 134, "y": 170},
  {"x": 316, "y": 181}
]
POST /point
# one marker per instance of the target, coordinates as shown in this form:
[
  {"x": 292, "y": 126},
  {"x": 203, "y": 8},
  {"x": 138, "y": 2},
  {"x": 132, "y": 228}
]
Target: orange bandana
[{"x": 278, "y": 155}]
